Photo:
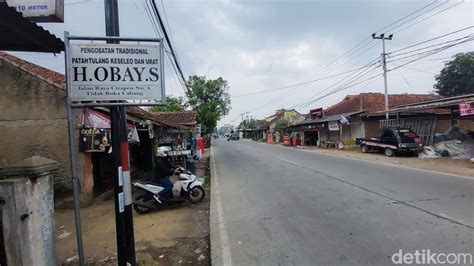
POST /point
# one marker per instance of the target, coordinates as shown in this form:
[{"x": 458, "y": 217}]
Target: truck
[{"x": 392, "y": 140}]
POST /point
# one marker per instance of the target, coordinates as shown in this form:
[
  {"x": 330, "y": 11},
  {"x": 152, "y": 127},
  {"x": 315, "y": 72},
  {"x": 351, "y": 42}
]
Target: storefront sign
[
  {"x": 466, "y": 109},
  {"x": 333, "y": 126},
  {"x": 40, "y": 10},
  {"x": 94, "y": 140},
  {"x": 115, "y": 72}
]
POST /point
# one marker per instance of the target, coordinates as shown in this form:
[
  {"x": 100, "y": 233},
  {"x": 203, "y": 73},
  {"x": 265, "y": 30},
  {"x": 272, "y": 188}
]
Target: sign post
[{"x": 113, "y": 75}]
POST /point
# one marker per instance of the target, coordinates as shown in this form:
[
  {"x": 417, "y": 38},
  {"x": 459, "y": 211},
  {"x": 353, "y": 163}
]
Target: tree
[
  {"x": 210, "y": 99},
  {"x": 457, "y": 76},
  {"x": 281, "y": 125},
  {"x": 172, "y": 105},
  {"x": 250, "y": 124}
]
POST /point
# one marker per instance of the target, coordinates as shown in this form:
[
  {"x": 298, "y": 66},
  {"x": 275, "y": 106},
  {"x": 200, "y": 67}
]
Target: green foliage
[
  {"x": 250, "y": 124},
  {"x": 281, "y": 125},
  {"x": 457, "y": 76},
  {"x": 210, "y": 98},
  {"x": 172, "y": 105}
]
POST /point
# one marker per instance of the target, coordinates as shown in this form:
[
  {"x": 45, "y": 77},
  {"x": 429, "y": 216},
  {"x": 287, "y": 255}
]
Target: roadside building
[
  {"x": 33, "y": 121},
  {"x": 435, "y": 116},
  {"x": 278, "y": 123},
  {"x": 356, "y": 116}
]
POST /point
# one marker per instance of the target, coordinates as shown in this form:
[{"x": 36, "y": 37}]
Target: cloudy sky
[{"x": 265, "y": 45}]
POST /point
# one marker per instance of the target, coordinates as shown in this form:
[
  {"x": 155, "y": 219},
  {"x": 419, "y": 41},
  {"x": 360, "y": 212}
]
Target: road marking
[
  {"x": 288, "y": 161},
  {"x": 224, "y": 239},
  {"x": 376, "y": 162}
]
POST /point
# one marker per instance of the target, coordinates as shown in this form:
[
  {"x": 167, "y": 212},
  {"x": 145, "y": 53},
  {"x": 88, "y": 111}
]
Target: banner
[
  {"x": 466, "y": 109},
  {"x": 115, "y": 72}
]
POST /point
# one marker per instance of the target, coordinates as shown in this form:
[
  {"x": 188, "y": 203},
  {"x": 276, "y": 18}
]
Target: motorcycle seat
[{"x": 144, "y": 182}]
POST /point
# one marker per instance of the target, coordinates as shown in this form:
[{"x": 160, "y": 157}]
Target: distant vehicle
[
  {"x": 233, "y": 136},
  {"x": 393, "y": 140}
]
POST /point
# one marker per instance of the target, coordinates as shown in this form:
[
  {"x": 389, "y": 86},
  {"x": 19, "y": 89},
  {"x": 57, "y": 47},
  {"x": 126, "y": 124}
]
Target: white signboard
[
  {"x": 41, "y": 10},
  {"x": 333, "y": 126},
  {"x": 115, "y": 72}
]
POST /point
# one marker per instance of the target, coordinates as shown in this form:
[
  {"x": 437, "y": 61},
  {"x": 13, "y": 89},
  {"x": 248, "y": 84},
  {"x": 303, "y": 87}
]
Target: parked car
[{"x": 393, "y": 140}]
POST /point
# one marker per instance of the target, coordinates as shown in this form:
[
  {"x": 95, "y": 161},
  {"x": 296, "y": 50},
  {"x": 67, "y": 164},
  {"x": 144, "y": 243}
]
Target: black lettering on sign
[
  {"x": 104, "y": 75},
  {"x": 129, "y": 75},
  {"x": 114, "y": 74},
  {"x": 154, "y": 76},
  {"x": 77, "y": 73},
  {"x": 139, "y": 71}
]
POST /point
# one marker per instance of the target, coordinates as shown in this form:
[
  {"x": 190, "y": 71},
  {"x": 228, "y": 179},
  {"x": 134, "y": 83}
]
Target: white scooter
[{"x": 190, "y": 189}]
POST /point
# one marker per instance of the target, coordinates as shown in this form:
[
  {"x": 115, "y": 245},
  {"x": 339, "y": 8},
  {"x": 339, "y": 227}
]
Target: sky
[{"x": 264, "y": 45}]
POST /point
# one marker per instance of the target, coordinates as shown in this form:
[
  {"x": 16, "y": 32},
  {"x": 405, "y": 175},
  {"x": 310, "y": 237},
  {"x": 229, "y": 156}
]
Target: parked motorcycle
[{"x": 189, "y": 187}]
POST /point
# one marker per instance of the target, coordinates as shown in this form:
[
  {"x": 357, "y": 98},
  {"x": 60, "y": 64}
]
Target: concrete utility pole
[{"x": 383, "y": 38}]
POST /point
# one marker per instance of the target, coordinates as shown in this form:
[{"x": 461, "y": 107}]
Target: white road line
[
  {"x": 378, "y": 162},
  {"x": 224, "y": 239},
  {"x": 288, "y": 161}
]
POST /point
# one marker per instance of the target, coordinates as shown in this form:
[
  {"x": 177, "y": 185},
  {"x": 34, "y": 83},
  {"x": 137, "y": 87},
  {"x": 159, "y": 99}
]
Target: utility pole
[
  {"x": 122, "y": 184},
  {"x": 384, "y": 55}
]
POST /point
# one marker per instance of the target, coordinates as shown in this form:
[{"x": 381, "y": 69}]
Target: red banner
[{"x": 466, "y": 109}]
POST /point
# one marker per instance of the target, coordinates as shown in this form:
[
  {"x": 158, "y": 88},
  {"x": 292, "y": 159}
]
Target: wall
[
  {"x": 33, "y": 121},
  {"x": 28, "y": 220},
  {"x": 443, "y": 124},
  {"x": 371, "y": 128}
]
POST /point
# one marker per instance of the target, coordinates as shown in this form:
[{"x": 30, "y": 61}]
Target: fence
[{"x": 423, "y": 126}]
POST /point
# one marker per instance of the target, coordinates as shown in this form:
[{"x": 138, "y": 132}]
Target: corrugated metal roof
[
  {"x": 327, "y": 118},
  {"x": 20, "y": 34}
]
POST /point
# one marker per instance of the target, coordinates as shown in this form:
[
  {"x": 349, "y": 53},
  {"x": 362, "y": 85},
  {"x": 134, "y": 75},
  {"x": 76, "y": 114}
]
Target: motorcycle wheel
[
  {"x": 196, "y": 194},
  {"x": 141, "y": 209}
]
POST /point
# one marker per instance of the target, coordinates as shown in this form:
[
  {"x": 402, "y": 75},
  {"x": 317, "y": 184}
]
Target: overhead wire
[{"x": 362, "y": 44}]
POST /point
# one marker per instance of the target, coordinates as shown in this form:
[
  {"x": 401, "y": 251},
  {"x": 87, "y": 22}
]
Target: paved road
[{"x": 272, "y": 205}]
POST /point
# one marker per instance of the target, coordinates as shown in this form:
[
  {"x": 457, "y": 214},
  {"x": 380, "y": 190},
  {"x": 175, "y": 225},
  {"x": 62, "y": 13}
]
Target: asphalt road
[{"x": 272, "y": 205}]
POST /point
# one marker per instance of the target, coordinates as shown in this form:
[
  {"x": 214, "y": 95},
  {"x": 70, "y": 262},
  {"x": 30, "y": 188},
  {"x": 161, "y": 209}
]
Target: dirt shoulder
[
  {"x": 444, "y": 164},
  {"x": 173, "y": 236}
]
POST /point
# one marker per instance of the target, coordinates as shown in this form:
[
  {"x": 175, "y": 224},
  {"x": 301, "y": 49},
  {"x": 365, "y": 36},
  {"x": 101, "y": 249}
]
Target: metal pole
[
  {"x": 385, "y": 78},
  {"x": 72, "y": 155},
  {"x": 117, "y": 125},
  {"x": 122, "y": 186}
]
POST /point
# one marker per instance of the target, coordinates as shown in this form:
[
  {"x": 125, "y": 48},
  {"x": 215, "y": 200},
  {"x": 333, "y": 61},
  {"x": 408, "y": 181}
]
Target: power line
[
  {"x": 352, "y": 53},
  {"x": 434, "y": 51},
  {"x": 172, "y": 51},
  {"x": 158, "y": 33},
  {"x": 409, "y": 26},
  {"x": 429, "y": 46},
  {"x": 432, "y": 39},
  {"x": 417, "y": 16},
  {"x": 388, "y": 26},
  {"x": 299, "y": 84}
]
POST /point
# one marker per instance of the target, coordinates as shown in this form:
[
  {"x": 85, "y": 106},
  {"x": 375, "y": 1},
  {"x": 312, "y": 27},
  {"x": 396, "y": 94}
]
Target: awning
[
  {"x": 20, "y": 34},
  {"x": 93, "y": 119}
]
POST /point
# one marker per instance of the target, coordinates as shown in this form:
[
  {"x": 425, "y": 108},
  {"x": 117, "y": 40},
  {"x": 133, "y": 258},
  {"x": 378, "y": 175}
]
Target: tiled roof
[
  {"x": 50, "y": 76},
  {"x": 374, "y": 102},
  {"x": 186, "y": 119}
]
